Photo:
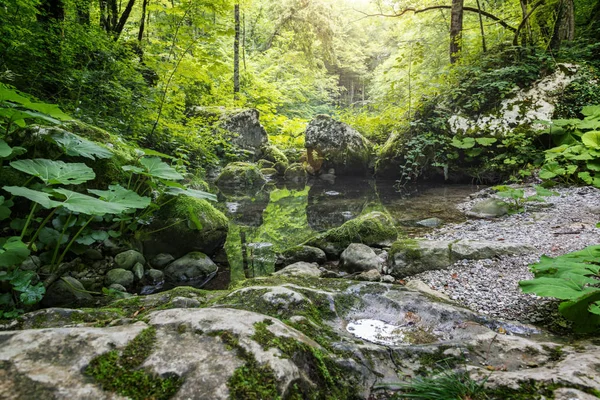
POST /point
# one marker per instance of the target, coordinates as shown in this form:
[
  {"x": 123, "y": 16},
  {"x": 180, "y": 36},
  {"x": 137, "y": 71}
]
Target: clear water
[{"x": 280, "y": 216}]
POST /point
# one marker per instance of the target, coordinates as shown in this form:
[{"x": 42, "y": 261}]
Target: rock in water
[
  {"x": 489, "y": 208},
  {"x": 191, "y": 267},
  {"x": 333, "y": 144}
]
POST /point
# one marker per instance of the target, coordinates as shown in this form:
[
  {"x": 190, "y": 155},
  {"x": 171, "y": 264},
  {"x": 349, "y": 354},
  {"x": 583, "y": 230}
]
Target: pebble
[{"x": 491, "y": 287}]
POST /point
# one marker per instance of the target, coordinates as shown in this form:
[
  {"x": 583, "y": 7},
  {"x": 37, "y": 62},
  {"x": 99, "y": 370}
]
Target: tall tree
[
  {"x": 110, "y": 20},
  {"x": 564, "y": 27},
  {"x": 456, "y": 26},
  {"x": 236, "y": 52}
]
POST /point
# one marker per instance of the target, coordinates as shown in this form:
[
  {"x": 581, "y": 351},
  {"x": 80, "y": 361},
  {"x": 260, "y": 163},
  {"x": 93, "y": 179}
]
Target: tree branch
[
  {"x": 418, "y": 11},
  {"x": 525, "y": 19}
]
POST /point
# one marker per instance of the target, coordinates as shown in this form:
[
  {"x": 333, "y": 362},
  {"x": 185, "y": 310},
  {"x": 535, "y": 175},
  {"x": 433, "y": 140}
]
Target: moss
[
  {"x": 241, "y": 175},
  {"x": 276, "y": 156},
  {"x": 332, "y": 381},
  {"x": 251, "y": 381},
  {"x": 555, "y": 353},
  {"x": 409, "y": 247},
  {"x": 526, "y": 391},
  {"x": 370, "y": 229},
  {"x": 420, "y": 336},
  {"x": 193, "y": 212},
  {"x": 119, "y": 371}
]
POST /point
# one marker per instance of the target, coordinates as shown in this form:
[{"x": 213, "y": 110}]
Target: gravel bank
[{"x": 563, "y": 224}]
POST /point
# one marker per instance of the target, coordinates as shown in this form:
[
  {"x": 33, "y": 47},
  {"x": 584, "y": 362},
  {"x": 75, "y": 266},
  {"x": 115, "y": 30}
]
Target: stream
[{"x": 282, "y": 215}]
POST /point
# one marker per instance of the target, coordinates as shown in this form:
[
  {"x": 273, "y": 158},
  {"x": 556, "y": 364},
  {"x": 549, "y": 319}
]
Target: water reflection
[{"x": 265, "y": 222}]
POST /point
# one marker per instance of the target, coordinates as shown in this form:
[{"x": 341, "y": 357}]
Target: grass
[{"x": 448, "y": 385}]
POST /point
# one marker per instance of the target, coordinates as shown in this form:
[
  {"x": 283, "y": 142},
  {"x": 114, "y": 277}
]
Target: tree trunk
[
  {"x": 483, "y": 46},
  {"x": 456, "y": 23},
  {"x": 236, "y": 53},
  {"x": 564, "y": 28},
  {"x": 142, "y": 21}
]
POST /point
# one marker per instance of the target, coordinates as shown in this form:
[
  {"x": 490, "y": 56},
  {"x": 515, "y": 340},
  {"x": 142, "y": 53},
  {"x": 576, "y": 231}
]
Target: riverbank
[{"x": 563, "y": 223}]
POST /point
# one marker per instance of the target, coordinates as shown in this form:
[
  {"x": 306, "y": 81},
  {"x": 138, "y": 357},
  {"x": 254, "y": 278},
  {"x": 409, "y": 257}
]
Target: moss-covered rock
[
  {"x": 186, "y": 225},
  {"x": 241, "y": 176},
  {"x": 295, "y": 173},
  {"x": 373, "y": 229},
  {"x": 333, "y": 144},
  {"x": 273, "y": 154}
]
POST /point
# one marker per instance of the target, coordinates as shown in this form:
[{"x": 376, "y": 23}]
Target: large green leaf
[
  {"x": 159, "y": 169},
  {"x": 551, "y": 170},
  {"x": 5, "y": 205},
  {"x": 55, "y": 172},
  {"x": 198, "y": 194},
  {"x": 595, "y": 308},
  {"x": 592, "y": 112},
  {"x": 36, "y": 196},
  {"x": 591, "y": 139},
  {"x": 578, "y": 311},
  {"x": 5, "y": 149},
  {"x": 465, "y": 143},
  {"x": 119, "y": 195},
  {"x": 84, "y": 204},
  {"x": 7, "y": 94},
  {"x": 486, "y": 141},
  {"x": 77, "y": 146},
  {"x": 563, "y": 289},
  {"x": 13, "y": 252}
]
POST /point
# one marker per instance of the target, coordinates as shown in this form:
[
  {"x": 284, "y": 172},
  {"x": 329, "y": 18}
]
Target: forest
[{"x": 300, "y": 199}]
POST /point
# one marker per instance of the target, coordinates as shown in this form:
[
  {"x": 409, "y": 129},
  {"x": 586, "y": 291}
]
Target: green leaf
[
  {"x": 593, "y": 165},
  {"x": 564, "y": 289},
  {"x": 578, "y": 311},
  {"x": 542, "y": 191},
  {"x": 5, "y": 149},
  {"x": 5, "y": 206},
  {"x": 36, "y": 196},
  {"x": 119, "y": 195},
  {"x": 591, "y": 139},
  {"x": 198, "y": 194},
  {"x": 84, "y": 204},
  {"x": 99, "y": 236},
  {"x": 132, "y": 168},
  {"x": 595, "y": 308},
  {"x": 33, "y": 294},
  {"x": 7, "y": 94},
  {"x": 85, "y": 240},
  {"x": 486, "y": 141},
  {"x": 150, "y": 152},
  {"x": 551, "y": 170},
  {"x": 465, "y": 143},
  {"x": 159, "y": 169},
  {"x": 13, "y": 252},
  {"x": 55, "y": 172},
  {"x": 50, "y": 237},
  {"x": 77, "y": 146},
  {"x": 591, "y": 111}
]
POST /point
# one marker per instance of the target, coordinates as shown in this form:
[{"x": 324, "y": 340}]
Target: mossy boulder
[
  {"x": 273, "y": 154},
  {"x": 333, "y": 144},
  {"x": 308, "y": 254},
  {"x": 241, "y": 176},
  {"x": 373, "y": 229},
  {"x": 390, "y": 157},
  {"x": 185, "y": 225},
  {"x": 295, "y": 173}
]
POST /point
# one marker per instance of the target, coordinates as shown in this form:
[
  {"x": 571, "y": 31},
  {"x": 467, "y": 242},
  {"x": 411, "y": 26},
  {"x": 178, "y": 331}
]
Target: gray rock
[
  {"x": 295, "y": 173},
  {"x": 138, "y": 271},
  {"x": 240, "y": 177},
  {"x": 249, "y": 134},
  {"x": 333, "y": 144},
  {"x": 409, "y": 257},
  {"x": 371, "y": 275},
  {"x": 32, "y": 263},
  {"x": 127, "y": 259},
  {"x": 65, "y": 291},
  {"x": 192, "y": 266},
  {"x": 479, "y": 250},
  {"x": 388, "y": 279},
  {"x": 117, "y": 287},
  {"x": 155, "y": 275},
  {"x": 430, "y": 222},
  {"x": 304, "y": 253},
  {"x": 416, "y": 284},
  {"x": 119, "y": 276},
  {"x": 359, "y": 257},
  {"x": 184, "y": 302},
  {"x": 160, "y": 261},
  {"x": 572, "y": 394},
  {"x": 300, "y": 268},
  {"x": 489, "y": 208}
]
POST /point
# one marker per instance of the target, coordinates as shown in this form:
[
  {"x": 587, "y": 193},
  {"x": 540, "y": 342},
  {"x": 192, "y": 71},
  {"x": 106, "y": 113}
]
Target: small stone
[
  {"x": 300, "y": 269},
  {"x": 388, "y": 279},
  {"x": 155, "y": 276},
  {"x": 120, "y": 276},
  {"x": 371, "y": 276},
  {"x": 138, "y": 271},
  {"x": 32, "y": 263},
  {"x": 93, "y": 254},
  {"x": 160, "y": 261},
  {"x": 117, "y": 287},
  {"x": 65, "y": 291},
  {"x": 127, "y": 259},
  {"x": 195, "y": 265},
  {"x": 359, "y": 257}
]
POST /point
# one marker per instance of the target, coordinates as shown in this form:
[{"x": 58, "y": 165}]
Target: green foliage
[
  {"x": 576, "y": 157},
  {"x": 447, "y": 385},
  {"x": 574, "y": 278},
  {"x": 518, "y": 198}
]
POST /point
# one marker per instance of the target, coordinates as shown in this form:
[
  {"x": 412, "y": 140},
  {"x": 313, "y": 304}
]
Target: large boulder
[
  {"x": 201, "y": 227},
  {"x": 372, "y": 229},
  {"x": 240, "y": 176},
  {"x": 333, "y": 144},
  {"x": 243, "y": 126}
]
